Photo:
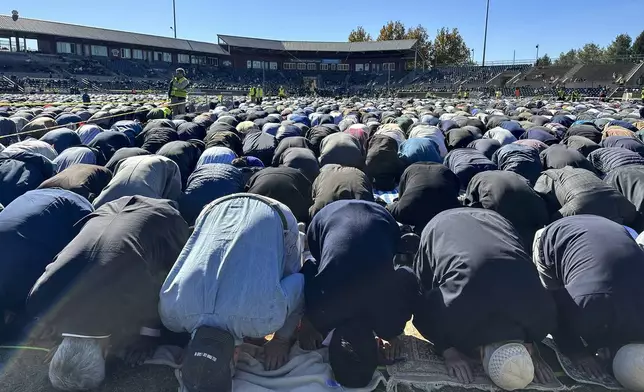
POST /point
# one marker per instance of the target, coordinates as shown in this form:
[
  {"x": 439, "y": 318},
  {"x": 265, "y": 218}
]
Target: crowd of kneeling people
[{"x": 511, "y": 221}]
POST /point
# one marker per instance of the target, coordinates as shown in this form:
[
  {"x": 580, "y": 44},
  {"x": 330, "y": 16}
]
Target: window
[
  {"x": 257, "y": 64},
  {"x": 213, "y": 61},
  {"x": 343, "y": 67},
  {"x": 389, "y": 66},
  {"x": 98, "y": 50},
  {"x": 273, "y": 65},
  {"x": 359, "y": 67},
  {"x": 249, "y": 64},
  {"x": 63, "y": 47},
  {"x": 167, "y": 57},
  {"x": 126, "y": 53},
  {"x": 158, "y": 56},
  {"x": 324, "y": 67},
  {"x": 333, "y": 67},
  {"x": 183, "y": 58},
  {"x": 301, "y": 66},
  {"x": 289, "y": 66},
  {"x": 197, "y": 60},
  {"x": 137, "y": 54},
  {"x": 311, "y": 66}
]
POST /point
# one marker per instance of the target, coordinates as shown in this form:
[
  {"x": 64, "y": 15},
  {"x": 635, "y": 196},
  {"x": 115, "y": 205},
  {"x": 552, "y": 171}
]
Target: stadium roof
[
  {"x": 43, "y": 27},
  {"x": 306, "y": 46}
]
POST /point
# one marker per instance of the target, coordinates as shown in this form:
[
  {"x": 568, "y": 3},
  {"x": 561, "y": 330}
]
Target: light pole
[
  {"x": 174, "y": 17},
  {"x": 472, "y": 58},
  {"x": 487, "y": 14},
  {"x": 514, "y": 56},
  {"x": 537, "y": 61}
]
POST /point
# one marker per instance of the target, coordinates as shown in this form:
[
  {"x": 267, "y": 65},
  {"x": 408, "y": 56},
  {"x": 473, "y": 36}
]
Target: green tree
[
  {"x": 450, "y": 48},
  {"x": 619, "y": 49},
  {"x": 544, "y": 61},
  {"x": 638, "y": 45},
  {"x": 568, "y": 58},
  {"x": 392, "y": 31},
  {"x": 359, "y": 35},
  {"x": 591, "y": 53}
]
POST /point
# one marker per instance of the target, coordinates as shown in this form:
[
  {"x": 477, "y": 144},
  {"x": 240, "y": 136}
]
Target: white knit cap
[
  {"x": 628, "y": 367},
  {"x": 509, "y": 366}
]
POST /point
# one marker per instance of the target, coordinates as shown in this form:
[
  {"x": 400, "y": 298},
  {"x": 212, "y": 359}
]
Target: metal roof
[
  {"x": 44, "y": 27},
  {"x": 307, "y": 46}
]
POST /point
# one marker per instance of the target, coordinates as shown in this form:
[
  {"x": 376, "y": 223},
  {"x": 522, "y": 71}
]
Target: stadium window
[
  {"x": 126, "y": 53},
  {"x": 99, "y": 50},
  {"x": 137, "y": 54},
  {"x": 301, "y": 66},
  {"x": 333, "y": 67},
  {"x": 167, "y": 57},
  {"x": 389, "y": 66},
  {"x": 257, "y": 64},
  {"x": 183, "y": 58},
  {"x": 63, "y": 47},
  {"x": 311, "y": 66},
  {"x": 273, "y": 65},
  {"x": 343, "y": 67},
  {"x": 213, "y": 61},
  {"x": 359, "y": 67},
  {"x": 249, "y": 64},
  {"x": 289, "y": 66},
  {"x": 324, "y": 67}
]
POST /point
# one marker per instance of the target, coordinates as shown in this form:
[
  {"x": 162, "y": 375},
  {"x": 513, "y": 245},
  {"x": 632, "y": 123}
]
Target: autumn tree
[
  {"x": 544, "y": 61},
  {"x": 392, "y": 31},
  {"x": 359, "y": 35},
  {"x": 620, "y": 48},
  {"x": 638, "y": 45},
  {"x": 449, "y": 47},
  {"x": 424, "y": 44}
]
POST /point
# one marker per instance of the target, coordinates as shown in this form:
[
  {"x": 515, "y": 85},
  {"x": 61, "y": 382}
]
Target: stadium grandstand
[{"x": 66, "y": 58}]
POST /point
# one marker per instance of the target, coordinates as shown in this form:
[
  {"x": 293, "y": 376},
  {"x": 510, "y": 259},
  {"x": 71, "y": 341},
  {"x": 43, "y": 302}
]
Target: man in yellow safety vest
[
  {"x": 260, "y": 94},
  {"x": 178, "y": 91},
  {"x": 281, "y": 93},
  {"x": 251, "y": 94}
]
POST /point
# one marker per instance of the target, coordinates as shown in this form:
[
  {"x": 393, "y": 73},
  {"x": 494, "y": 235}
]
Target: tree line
[
  {"x": 447, "y": 47},
  {"x": 622, "y": 49}
]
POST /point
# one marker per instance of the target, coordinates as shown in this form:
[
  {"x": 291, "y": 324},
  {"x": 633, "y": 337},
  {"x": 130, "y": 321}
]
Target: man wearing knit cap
[{"x": 482, "y": 298}]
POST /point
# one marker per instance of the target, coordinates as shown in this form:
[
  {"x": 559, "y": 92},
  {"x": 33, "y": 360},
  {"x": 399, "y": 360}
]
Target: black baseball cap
[{"x": 207, "y": 363}]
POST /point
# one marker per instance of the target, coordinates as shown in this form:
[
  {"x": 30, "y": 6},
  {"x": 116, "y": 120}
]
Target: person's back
[{"x": 238, "y": 271}]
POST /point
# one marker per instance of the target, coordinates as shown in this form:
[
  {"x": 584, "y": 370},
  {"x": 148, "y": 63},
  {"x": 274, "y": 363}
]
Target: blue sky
[{"x": 556, "y": 25}]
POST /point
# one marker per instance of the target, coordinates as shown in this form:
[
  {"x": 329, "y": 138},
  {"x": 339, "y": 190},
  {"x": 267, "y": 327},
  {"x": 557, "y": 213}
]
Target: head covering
[
  {"x": 286, "y": 185},
  {"x": 337, "y": 182},
  {"x": 216, "y": 155},
  {"x": 627, "y": 366},
  {"x": 151, "y": 176},
  {"x": 207, "y": 183},
  {"x": 510, "y": 366},
  {"x": 425, "y": 189},
  {"x": 342, "y": 149},
  {"x": 73, "y": 156},
  {"x": 85, "y": 180},
  {"x": 207, "y": 364}
]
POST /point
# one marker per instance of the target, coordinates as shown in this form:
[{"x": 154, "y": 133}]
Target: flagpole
[{"x": 487, "y": 14}]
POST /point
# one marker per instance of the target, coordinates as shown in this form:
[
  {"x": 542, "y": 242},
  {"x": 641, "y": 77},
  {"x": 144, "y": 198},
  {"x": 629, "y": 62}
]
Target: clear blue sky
[{"x": 556, "y": 25}]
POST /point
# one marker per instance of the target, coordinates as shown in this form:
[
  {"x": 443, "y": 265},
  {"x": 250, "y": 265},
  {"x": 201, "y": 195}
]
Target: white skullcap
[
  {"x": 510, "y": 366},
  {"x": 628, "y": 367}
]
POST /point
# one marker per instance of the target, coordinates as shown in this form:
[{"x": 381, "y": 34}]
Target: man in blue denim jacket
[{"x": 236, "y": 277}]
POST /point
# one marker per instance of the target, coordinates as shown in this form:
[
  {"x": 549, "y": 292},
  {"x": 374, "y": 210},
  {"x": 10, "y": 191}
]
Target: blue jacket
[{"x": 21, "y": 172}]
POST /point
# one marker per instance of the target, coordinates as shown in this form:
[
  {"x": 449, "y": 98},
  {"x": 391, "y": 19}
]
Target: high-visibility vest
[
  {"x": 465, "y": 94},
  {"x": 498, "y": 94},
  {"x": 643, "y": 94},
  {"x": 178, "y": 92},
  {"x": 260, "y": 92},
  {"x": 252, "y": 91}
]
